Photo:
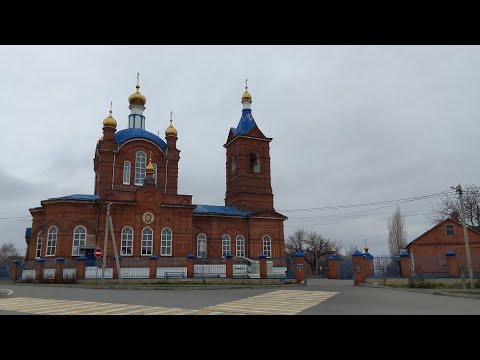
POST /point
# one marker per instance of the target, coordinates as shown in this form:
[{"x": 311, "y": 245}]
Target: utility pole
[
  {"x": 459, "y": 191},
  {"x": 105, "y": 245}
]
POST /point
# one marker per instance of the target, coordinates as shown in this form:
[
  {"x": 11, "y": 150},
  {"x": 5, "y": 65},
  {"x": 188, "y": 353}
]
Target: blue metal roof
[
  {"x": 357, "y": 253},
  {"x": 77, "y": 197},
  {"x": 127, "y": 134},
  {"x": 219, "y": 210},
  {"x": 368, "y": 255},
  {"x": 28, "y": 233},
  {"x": 245, "y": 124}
]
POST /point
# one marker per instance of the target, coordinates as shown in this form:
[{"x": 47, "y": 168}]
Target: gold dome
[
  {"x": 149, "y": 168},
  {"x": 137, "y": 98},
  {"x": 110, "y": 121},
  {"x": 171, "y": 130},
  {"x": 246, "y": 96}
]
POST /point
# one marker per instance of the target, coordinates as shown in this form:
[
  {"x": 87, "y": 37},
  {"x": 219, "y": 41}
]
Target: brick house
[{"x": 136, "y": 172}]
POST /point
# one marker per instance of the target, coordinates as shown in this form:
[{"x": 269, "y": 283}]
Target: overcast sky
[{"x": 350, "y": 125}]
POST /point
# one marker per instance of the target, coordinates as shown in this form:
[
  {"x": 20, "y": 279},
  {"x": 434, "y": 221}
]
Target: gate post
[
  {"x": 452, "y": 264},
  {"x": 59, "y": 269},
  {"x": 405, "y": 264},
  {"x": 228, "y": 266},
  {"x": 39, "y": 269},
  {"x": 14, "y": 270},
  {"x": 262, "y": 259},
  {"x": 333, "y": 267},
  {"x": 152, "y": 264},
  {"x": 190, "y": 266},
  {"x": 80, "y": 267},
  {"x": 300, "y": 267},
  {"x": 358, "y": 268}
]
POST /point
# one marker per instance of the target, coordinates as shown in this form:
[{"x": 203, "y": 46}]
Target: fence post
[
  {"x": 405, "y": 264},
  {"x": 262, "y": 265},
  {"x": 14, "y": 270},
  {"x": 229, "y": 266},
  {"x": 333, "y": 267},
  {"x": 39, "y": 265},
  {"x": 80, "y": 267},
  {"x": 190, "y": 266},
  {"x": 59, "y": 269},
  {"x": 299, "y": 267},
  {"x": 115, "y": 270},
  {"x": 452, "y": 263},
  {"x": 152, "y": 264},
  {"x": 358, "y": 267}
]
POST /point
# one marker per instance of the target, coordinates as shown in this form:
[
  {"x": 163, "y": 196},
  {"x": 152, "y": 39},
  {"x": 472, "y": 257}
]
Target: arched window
[
  {"x": 166, "y": 245},
  {"x": 155, "y": 172},
  {"x": 226, "y": 246},
  {"x": 147, "y": 241},
  {"x": 127, "y": 166},
  {"x": 39, "y": 245},
  {"x": 254, "y": 163},
  {"x": 126, "y": 248},
  {"x": 79, "y": 239},
  {"x": 140, "y": 164},
  {"x": 240, "y": 246},
  {"x": 267, "y": 246},
  {"x": 234, "y": 165},
  {"x": 51, "y": 241},
  {"x": 202, "y": 246}
]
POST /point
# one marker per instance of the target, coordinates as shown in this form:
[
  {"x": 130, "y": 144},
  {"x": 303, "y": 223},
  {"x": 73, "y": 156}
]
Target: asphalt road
[{"x": 318, "y": 297}]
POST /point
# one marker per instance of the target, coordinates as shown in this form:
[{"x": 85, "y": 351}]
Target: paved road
[{"x": 320, "y": 296}]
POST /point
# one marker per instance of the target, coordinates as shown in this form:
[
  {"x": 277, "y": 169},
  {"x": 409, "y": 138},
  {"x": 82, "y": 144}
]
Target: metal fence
[
  {"x": 429, "y": 266},
  {"x": 463, "y": 265},
  {"x": 386, "y": 266},
  {"x": 134, "y": 268},
  {"x": 210, "y": 267},
  {"x": 277, "y": 268}
]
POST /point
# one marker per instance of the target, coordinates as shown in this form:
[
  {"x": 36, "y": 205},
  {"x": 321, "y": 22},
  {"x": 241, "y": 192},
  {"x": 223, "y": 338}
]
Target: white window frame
[
  {"x": 127, "y": 169},
  {"x": 201, "y": 246},
  {"x": 80, "y": 238},
  {"x": 38, "y": 251},
  {"x": 140, "y": 165},
  {"x": 166, "y": 242},
  {"x": 240, "y": 246},
  {"x": 447, "y": 226},
  {"x": 127, "y": 241},
  {"x": 267, "y": 246},
  {"x": 226, "y": 245},
  {"x": 51, "y": 241},
  {"x": 147, "y": 241}
]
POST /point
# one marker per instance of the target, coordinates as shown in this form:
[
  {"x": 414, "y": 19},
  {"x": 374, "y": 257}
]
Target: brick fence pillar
[
  {"x": 333, "y": 267},
  {"x": 80, "y": 267},
  {"x": 229, "y": 266},
  {"x": 405, "y": 264},
  {"x": 115, "y": 270},
  {"x": 452, "y": 264},
  {"x": 152, "y": 264},
  {"x": 190, "y": 266},
  {"x": 359, "y": 268},
  {"x": 15, "y": 270},
  {"x": 39, "y": 265},
  {"x": 59, "y": 269},
  {"x": 299, "y": 267},
  {"x": 262, "y": 263}
]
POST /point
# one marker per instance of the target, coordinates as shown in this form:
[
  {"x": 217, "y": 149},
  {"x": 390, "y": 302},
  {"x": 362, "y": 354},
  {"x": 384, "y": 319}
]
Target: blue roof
[
  {"x": 219, "y": 210},
  {"x": 245, "y": 124},
  {"x": 127, "y": 134},
  {"x": 28, "y": 233},
  {"x": 357, "y": 253},
  {"x": 77, "y": 197},
  {"x": 368, "y": 255}
]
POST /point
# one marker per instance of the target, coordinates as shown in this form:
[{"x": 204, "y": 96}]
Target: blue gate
[{"x": 346, "y": 269}]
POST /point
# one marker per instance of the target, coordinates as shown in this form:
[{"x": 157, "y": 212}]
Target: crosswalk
[{"x": 281, "y": 302}]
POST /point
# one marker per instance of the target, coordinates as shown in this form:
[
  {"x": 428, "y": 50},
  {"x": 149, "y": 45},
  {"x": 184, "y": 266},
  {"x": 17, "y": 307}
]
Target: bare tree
[
  {"x": 397, "y": 234},
  {"x": 450, "y": 204},
  {"x": 349, "y": 250},
  {"x": 296, "y": 242},
  {"x": 8, "y": 253}
]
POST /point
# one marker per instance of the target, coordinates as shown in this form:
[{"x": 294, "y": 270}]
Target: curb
[{"x": 426, "y": 291}]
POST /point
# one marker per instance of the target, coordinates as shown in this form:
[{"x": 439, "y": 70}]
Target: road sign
[{"x": 98, "y": 253}]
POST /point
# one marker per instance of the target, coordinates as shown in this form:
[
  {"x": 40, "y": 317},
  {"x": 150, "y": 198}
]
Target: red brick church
[{"x": 136, "y": 172}]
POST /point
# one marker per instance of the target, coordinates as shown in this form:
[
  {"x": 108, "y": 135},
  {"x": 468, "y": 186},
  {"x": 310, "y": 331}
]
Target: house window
[
  {"x": 202, "y": 246},
  {"x": 140, "y": 164},
  {"x": 267, "y": 246},
  {"x": 147, "y": 241},
  {"x": 166, "y": 246},
  {"x": 450, "y": 230},
  {"x": 127, "y": 242},
  {"x": 155, "y": 173},
  {"x": 127, "y": 166},
  {"x": 51, "y": 241},
  {"x": 254, "y": 163},
  {"x": 226, "y": 245},
  {"x": 39, "y": 245},
  {"x": 240, "y": 246},
  {"x": 234, "y": 165},
  {"x": 79, "y": 239}
]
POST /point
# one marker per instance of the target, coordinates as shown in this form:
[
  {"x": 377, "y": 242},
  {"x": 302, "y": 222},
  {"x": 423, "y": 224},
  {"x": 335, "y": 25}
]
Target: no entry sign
[{"x": 98, "y": 253}]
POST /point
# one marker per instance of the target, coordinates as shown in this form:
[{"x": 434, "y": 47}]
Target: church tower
[{"x": 248, "y": 163}]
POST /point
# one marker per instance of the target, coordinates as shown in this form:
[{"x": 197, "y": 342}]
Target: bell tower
[{"x": 248, "y": 183}]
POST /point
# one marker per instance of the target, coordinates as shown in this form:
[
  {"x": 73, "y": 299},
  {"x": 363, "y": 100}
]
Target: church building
[{"x": 136, "y": 177}]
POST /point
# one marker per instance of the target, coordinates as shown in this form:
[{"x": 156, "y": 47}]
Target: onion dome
[
  {"x": 171, "y": 131},
  {"x": 137, "y": 98},
  {"x": 246, "y": 96},
  {"x": 149, "y": 168},
  {"x": 109, "y": 120}
]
